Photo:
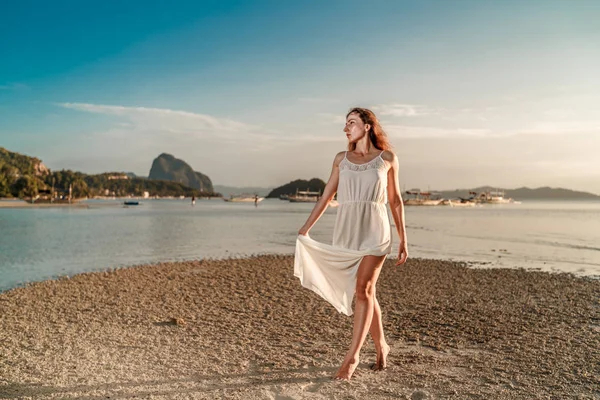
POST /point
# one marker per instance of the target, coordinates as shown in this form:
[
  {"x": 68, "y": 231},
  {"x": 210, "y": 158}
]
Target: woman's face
[{"x": 355, "y": 128}]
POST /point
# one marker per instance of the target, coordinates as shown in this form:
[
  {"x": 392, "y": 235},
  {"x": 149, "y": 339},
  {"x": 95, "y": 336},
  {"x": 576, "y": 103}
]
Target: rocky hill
[
  {"x": 22, "y": 164},
  {"x": 314, "y": 185},
  {"x": 168, "y": 168},
  {"x": 20, "y": 175}
]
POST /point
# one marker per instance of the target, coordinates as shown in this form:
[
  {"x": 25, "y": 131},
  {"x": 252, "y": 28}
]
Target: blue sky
[{"x": 504, "y": 93}]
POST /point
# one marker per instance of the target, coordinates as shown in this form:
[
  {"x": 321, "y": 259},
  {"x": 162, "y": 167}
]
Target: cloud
[
  {"x": 138, "y": 128},
  {"x": 172, "y": 121},
  {"x": 401, "y": 110},
  {"x": 562, "y": 128},
  {"x": 405, "y": 131},
  {"x": 317, "y": 100},
  {"x": 330, "y": 118}
]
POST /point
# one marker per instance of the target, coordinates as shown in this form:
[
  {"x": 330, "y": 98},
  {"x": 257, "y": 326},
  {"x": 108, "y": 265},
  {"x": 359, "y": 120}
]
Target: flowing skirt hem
[{"x": 330, "y": 271}]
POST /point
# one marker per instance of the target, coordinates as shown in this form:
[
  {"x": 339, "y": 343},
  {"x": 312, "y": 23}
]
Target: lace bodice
[{"x": 376, "y": 163}]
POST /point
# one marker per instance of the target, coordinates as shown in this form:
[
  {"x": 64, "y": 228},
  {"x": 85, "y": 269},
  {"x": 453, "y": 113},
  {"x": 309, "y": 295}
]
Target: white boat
[
  {"x": 244, "y": 198},
  {"x": 304, "y": 197},
  {"x": 459, "y": 203},
  {"x": 422, "y": 198},
  {"x": 490, "y": 197}
]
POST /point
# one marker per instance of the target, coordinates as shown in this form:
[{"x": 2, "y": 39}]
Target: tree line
[
  {"x": 25, "y": 183},
  {"x": 26, "y": 177}
]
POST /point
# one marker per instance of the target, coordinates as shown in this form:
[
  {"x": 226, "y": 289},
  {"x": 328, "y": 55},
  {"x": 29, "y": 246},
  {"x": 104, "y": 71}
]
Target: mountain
[
  {"x": 314, "y": 185},
  {"x": 525, "y": 193},
  {"x": 168, "y": 168},
  {"x": 226, "y": 191}
]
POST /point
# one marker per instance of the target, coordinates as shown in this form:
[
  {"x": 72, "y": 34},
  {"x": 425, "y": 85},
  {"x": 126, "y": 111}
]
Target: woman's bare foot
[
  {"x": 347, "y": 369},
  {"x": 381, "y": 362}
]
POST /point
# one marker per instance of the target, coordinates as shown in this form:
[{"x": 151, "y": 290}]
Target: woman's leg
[
  {"x": 366, "y": 278},
  {"x": 376, "y": 331}
]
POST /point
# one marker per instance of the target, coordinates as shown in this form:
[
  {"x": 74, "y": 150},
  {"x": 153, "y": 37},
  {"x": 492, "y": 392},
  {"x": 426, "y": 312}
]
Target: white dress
[{"x": 362, "y": 227}]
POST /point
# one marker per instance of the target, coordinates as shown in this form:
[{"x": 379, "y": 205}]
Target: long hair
[{"x": 376, "y": 133}]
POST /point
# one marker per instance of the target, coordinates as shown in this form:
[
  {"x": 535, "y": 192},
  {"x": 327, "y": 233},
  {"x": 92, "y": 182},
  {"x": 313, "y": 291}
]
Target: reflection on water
[{"x": 36, "y": 244}]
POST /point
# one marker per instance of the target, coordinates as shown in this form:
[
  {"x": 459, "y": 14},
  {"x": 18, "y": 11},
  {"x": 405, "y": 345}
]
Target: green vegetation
[
  {"x": 26, "y": 177},
  {"x": 20, "y": 175},
  {"x": 103, "y": 185}
]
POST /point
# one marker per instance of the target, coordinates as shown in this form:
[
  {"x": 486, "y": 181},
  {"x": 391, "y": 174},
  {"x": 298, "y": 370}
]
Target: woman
[{"x": 361, "y": 177}]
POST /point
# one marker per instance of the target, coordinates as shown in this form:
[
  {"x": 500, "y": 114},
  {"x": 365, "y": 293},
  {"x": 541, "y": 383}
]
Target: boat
[
  {"x": 305, "y": 196},
  {"x": 459, "y": 203},
  {"x": 491, "y": 197},
  {"x": 131, "y": 203},
  {"x": 244, "y": 198},
  {"x": 422, "y": 198}
]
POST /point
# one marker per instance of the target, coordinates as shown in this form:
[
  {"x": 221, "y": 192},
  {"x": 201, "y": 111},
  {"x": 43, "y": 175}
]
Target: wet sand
[
  {"x": 24, "y": 204},
  {"x": 246, "y": 329}
]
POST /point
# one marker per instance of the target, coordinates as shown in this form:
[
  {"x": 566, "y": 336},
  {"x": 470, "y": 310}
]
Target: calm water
[{"x": 37, "y": 244}]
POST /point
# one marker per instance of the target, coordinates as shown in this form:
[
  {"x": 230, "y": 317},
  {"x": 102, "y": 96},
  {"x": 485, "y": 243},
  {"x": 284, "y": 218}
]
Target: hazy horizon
[{"x": 471, "y": 93}]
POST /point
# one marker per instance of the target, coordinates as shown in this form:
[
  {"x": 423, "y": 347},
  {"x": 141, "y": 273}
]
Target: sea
[{"x": 45, "y": 243}]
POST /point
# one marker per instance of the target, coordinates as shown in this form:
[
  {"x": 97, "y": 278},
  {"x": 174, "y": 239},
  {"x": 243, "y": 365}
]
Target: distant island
[
  {"x": 28, "y": 178},
  {"x": 524, "y": 193},
  {"x": 313, "y": 185},
  {"x": 233, "y": 190}
]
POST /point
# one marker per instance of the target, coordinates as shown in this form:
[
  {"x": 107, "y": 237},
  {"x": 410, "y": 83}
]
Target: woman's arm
[
  {"x": 328, "y": 193},
  {"x": 396, "y": 204}
]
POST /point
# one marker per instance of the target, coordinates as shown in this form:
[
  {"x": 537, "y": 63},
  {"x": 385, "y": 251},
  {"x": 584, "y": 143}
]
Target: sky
[{"x": 254, "y": 93}]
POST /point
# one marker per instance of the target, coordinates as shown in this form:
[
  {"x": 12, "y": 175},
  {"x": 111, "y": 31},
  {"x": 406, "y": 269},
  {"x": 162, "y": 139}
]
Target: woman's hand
[{"x": 402, "y": 253}]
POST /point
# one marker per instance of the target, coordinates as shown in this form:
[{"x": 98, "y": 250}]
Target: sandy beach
[
  {"x": 246, "y": 329},
  {"x": 24, "y": 204}
]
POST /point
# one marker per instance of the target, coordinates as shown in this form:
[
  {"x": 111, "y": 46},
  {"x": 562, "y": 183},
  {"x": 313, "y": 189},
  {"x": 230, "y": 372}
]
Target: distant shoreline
[
  {"x": 84, "y": 203},
  {"x": 24, "y": 204},
  {"x": 11, "y": 203}
]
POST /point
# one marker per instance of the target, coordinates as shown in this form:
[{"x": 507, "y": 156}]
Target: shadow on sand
[{"x": 190, "y": 384}]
